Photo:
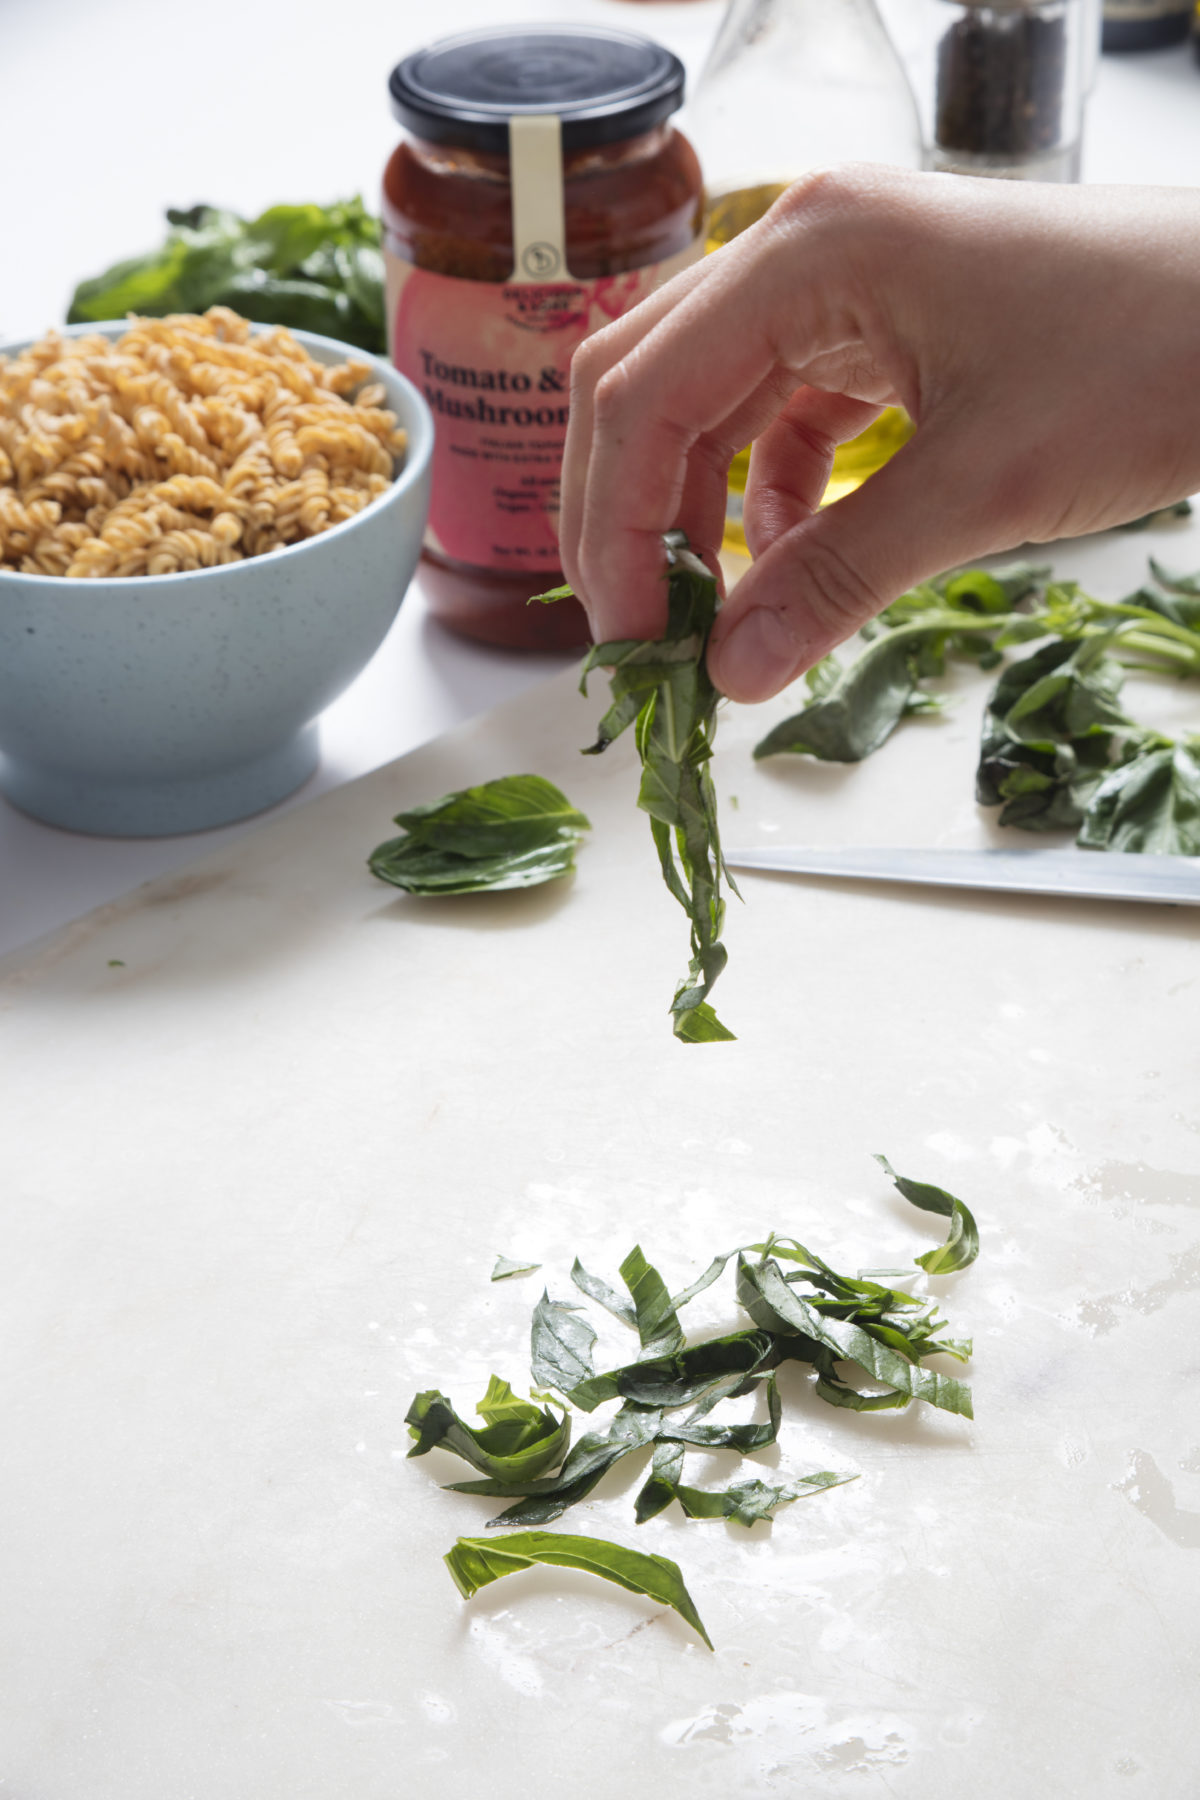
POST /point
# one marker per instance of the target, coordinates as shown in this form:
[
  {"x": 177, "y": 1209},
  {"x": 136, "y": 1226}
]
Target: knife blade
[{"x": 1071, "y": 874}]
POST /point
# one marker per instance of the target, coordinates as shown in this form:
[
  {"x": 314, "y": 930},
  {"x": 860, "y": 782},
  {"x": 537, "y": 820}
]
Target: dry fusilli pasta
[{"x": 183, "y": 444}]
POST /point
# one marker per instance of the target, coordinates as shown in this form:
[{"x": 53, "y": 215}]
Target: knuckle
[
  {"x": 610, "y": 395},
  {"x": 589, "y": 362},
  {"x": 836, "y": 595},
  {"x": 828, "y": 191},
  {"x": 842, "y": 205}
]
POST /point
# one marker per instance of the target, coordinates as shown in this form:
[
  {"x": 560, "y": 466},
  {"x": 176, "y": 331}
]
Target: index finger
[
  {"x": 591, "y": 361},
  {"x": 643, "y": 413}
]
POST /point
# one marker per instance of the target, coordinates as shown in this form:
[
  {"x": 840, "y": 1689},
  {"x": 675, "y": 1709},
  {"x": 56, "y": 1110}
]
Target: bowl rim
[{"x": 417, "y": 459}]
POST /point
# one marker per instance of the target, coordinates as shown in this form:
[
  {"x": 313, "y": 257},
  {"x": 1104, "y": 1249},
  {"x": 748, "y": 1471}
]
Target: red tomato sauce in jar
[{"x": 541, "y": 192}]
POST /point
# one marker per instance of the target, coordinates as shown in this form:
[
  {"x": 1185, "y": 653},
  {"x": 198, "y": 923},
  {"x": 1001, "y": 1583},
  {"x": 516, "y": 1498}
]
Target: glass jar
[
  {"x": 540, "y": 193},
  {"x": 1006, "y": 85},
  {"x": 789, "y": 86}
]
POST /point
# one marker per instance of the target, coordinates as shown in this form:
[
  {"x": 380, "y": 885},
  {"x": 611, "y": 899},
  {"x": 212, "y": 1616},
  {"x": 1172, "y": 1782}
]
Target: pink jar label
[{"x": 493, "y": 362}]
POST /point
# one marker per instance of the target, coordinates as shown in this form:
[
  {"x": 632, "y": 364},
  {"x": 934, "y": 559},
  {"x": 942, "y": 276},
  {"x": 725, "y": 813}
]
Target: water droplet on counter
[
  {"x": 715, "y": 1723},
  {"x": 807, "y": 1731},
  {"x": 519, "y": 1671},
  {"x": 858, "y": 1757},
  {"x": 1147, "y": 1488},
  {"x": 1102, "y": 1314},
  {"x": 437, "y": 1709},
  {"x": 951, "y": 1146},
  {"x": 362, "y": 1712},
  {"x": 1137, "y": 1181}
]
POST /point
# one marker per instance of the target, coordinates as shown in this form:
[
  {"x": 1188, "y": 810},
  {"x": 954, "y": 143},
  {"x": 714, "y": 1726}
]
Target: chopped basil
[
  {"x": 475, "y": 1562},
  {"x": 672, "y": 1398},
  {"x": 662, "y": 687}
]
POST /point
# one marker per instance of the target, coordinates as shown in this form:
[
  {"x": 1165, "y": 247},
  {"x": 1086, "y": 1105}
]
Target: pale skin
[{"x": 1045, "y": 339}]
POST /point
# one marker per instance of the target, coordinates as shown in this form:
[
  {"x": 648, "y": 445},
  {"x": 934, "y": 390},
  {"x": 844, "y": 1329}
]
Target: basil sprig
[
  {"x": 1057, "y": 750},
  {"x": 315, "y": 268}
]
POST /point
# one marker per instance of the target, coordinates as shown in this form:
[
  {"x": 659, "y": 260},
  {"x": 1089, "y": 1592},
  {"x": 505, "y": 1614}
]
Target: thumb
[{"x": 824, "y": 577}]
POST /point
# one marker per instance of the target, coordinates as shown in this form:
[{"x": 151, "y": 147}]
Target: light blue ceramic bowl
[{"x": 169, "y": 703}]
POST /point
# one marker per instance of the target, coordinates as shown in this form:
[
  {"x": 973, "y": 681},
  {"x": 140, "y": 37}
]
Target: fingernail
[{"x": 756, "y": 657}]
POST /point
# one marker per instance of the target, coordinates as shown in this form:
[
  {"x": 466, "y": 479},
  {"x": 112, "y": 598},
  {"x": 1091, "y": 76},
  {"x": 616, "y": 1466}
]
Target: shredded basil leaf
[
  {"x": 673, "y": 1398},
  {"x": 475, "y": 1562},
  {"x": 518, "y": 1440},
  {"x": 662, "y": 687},
  {"x": 962, "y": 1244},
  {"x": 507, "y": 1270}
]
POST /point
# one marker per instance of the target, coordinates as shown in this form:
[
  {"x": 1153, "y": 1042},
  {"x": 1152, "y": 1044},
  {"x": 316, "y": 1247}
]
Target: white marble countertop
[
  {"x": 268, "y": 1125},
  {"x": 133, "y": 108}
]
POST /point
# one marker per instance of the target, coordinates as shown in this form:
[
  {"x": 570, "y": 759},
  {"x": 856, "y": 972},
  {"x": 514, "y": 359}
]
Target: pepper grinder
[{"x": 1004, "y": 84}]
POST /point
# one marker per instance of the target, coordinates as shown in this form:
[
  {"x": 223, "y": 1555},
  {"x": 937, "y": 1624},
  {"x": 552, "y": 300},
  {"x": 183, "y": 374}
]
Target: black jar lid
[{"x": 604, "y": 85}]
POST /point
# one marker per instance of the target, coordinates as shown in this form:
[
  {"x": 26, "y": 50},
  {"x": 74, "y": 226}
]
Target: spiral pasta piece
[{"x": 186, "y": 443}]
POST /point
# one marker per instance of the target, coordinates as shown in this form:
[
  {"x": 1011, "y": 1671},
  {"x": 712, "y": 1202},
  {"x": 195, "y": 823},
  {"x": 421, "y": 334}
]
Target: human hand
[{"x": 1045, "y": 339}]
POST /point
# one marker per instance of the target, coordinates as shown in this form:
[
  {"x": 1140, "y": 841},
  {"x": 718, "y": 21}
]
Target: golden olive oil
[{"x": 728, "y": 214}]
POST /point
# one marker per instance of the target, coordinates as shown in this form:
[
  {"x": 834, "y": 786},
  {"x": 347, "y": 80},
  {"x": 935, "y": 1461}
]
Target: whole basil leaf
[
  {"x": 1051, "y": 731},
  {"x": 854, "y": 710},
  {"x": 312, "y": 267},
  {"x": 1150, "y": 803},
  {"x": 474, "y": 1562},
  {"x": 292, "y": 302},
  {"x": 962, "y": 1244},
  {"x": 517, "y": 831},
  {"x": 857, "y": 713}
]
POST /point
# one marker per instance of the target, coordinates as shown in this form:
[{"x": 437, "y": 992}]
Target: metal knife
[{"x": 1073, "y": 874}]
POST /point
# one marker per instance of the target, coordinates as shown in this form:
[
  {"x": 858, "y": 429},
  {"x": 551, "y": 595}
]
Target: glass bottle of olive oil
[{"x": 792, "y": 85}]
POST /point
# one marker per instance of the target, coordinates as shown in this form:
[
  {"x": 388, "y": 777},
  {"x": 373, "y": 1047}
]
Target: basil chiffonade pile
[{"x": 672, "y": 1397}]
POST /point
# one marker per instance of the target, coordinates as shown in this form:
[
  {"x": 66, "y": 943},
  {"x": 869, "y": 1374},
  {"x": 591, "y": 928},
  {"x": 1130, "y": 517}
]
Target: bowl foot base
[{"x": 121, "y": 806}]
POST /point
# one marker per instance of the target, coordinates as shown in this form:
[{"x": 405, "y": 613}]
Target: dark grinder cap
[{"x": 604, "y": 85}]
